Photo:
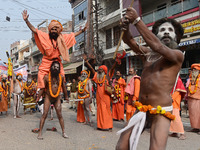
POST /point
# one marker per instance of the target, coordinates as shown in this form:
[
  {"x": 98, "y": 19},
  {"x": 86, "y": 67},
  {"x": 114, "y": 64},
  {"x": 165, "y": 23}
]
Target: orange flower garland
[
  {"x": 59, "y": 86},
  {"x": 196, "y": 85},
  {"x": 118, "y": 90},
  {"x": 82, "y": 84},
  {"x": 100, "y": 82},
  {"x": 158, "y": 110},
  {"x": 29, "y": 88}
]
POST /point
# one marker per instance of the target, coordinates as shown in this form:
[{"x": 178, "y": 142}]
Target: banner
[
  {"x": 23, "y": 71},
  {"x": 3, "y": 68}
]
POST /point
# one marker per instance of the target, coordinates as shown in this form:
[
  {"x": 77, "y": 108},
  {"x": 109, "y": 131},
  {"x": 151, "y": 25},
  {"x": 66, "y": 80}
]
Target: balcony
[
  {"x": 15, "y": 63},
  {"x": 169, "y": 10},
  {"x": 110, "y": 13},
  {"x": 23, "y": 46}
]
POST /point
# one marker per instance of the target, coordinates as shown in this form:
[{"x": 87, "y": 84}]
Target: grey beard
[
  {"x": 83, "y": 78},
  {"x": 129, "y": 78},
  {"x": 172, "y": 45},
  {"x": 194, "y": 75},
  {"x": 100, "y": 76}
]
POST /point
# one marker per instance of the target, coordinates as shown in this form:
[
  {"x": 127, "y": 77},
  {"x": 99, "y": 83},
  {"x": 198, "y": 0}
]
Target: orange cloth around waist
[{"x": 44, "y": 70}]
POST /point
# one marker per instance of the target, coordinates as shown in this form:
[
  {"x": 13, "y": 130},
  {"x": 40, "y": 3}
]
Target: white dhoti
[{"x": 137, "y": 122}]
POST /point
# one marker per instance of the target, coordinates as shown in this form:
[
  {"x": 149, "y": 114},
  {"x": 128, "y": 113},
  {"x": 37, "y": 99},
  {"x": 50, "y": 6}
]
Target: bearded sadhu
[
  {"x": 194, "y": 98},
  {"x": 85, "y": 93},
  {"x": 4, "y": 94},
  {"x": 104, "y": 117},
  {"x": 51, "y": 45}
]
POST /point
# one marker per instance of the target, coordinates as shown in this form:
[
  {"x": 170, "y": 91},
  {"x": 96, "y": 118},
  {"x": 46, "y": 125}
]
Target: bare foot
[
  {"x": 173, "y": 135},
  {"x": 40, "y": 137},
  {"x": 182, "y": 137},
  {"x": 65, "y": 135},
  {"x": 18, "y": 117},
  {"x": 50, "y": 119},
  {"x": 198, "y": 133}
]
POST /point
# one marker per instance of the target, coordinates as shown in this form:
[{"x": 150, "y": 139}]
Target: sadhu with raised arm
[
  {"x": 161, "y": 63},
  {"x": 104, "y": 117},
  {"x": 52, "y": 45}
]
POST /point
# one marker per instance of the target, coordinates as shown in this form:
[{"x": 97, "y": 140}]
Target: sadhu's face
[
  {"x": 166, "y": 33},
  {"x": 100, "y": 70},
  {"x": 84, "y": 76},
  {"x": 53, "y": 33}
]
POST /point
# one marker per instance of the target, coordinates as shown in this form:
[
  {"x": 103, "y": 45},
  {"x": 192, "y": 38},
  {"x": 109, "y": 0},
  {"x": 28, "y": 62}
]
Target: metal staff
[{"x": 121, "y": 36}]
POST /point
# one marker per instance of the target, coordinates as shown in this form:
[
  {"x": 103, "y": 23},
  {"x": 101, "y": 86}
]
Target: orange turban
[
  {"x": 60, "y": 40},
  {"x": 88, "y": 73},
  {"x": 196, "y": 66},
  {"x": 104, "y": 68},
  {"x": 55, "y": 23}
]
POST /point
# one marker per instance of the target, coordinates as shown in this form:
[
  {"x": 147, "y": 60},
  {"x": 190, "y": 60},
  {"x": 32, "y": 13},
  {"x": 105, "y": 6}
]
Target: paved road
[{"x": 15, "y": 134}]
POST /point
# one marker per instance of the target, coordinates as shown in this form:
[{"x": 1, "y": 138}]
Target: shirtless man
[
  {"x": 162, "y": 62},
  {"x": 17, "y": 93},
  {"x": 85, "y": 92},
  {"x": 52, "y": 96}
]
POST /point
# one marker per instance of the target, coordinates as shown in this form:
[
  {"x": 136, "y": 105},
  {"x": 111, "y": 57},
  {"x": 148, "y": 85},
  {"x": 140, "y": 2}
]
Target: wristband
[{"x": 136, "y": 21}]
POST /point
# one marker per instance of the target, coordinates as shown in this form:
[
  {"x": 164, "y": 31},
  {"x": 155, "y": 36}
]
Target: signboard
[
  {"x": 189, "y": 42},
  {"x": 191, "y": 26}
]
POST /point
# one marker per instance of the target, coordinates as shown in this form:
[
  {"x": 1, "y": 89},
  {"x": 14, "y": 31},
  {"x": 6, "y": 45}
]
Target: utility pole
[
  {"x": 89, "y": 44},
  {"x": 98, "y": 51}
]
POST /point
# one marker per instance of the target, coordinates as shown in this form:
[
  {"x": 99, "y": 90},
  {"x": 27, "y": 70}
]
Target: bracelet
[{"x": 136, "y": 20}]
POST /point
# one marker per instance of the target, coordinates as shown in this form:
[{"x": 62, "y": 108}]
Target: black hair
[{"x": 177, "y": 26}]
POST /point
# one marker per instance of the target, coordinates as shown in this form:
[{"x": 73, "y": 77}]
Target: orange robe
[
  {"x": 118, "y": 107},
  {"x": 3, "y": 103},
  {"x": 180, "y": 91},
  {"x": 104, "y": 117},
  {"x": 194, "y": 106},
  {"x": 80, "y": 113},
  {"x": 49, "y": 53},
  {"x": 130, "y": 110}
]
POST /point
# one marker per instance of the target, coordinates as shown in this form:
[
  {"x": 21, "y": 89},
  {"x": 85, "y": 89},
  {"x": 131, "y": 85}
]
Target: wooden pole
[{"x": 121, "y": 36}]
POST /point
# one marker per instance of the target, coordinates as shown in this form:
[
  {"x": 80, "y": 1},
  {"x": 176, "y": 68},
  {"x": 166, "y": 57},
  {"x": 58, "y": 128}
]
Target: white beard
[
  {"x": 100, "y": 76},
  {"x": 194, "y": 75},
  {"x": 129, "y": 78}
]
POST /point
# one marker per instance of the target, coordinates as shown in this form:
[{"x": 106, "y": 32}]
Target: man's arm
[
  {"x": 90, "y": 89},
  {"x": 152, "y": 41},
  {"x": 90, "y": 67},
  {"x": 82, "y": 30},
  {"x": 64, "y": 90},
  {"x": 25, "y": 17}
]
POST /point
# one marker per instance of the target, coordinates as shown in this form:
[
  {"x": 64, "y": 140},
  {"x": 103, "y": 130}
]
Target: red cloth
[
  {"x": 104, "y": 68},
  {"x": 180, "y": 88}
]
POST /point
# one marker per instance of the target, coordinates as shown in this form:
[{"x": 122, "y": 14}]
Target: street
[{"x": 15, "y": 134}]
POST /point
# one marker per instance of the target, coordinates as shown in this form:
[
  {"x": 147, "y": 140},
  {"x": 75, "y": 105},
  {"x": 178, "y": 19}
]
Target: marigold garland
[
  {"x": 82, "y": 84},
  {"x": 88, "y": 95},
  {"x": 100, "y": 82},
  {"x": 21, "y": 85},
  {"x": 29, "y": 88},
  {"x": 59, "y": 86},
  {"x": 196, "y": 85},
  {"x": 118, "y": 90},
  {"x": 158, "y": 110}
]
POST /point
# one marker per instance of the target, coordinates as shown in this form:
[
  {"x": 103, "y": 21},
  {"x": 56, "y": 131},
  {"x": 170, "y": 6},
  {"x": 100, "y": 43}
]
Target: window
[
  {"x": 116, "y": 34},
  {"x": 108, "y": 39},
  {"x": 81, "y": 15}
]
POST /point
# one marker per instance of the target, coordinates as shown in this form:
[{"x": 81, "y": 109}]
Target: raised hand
[
  {"x": 25, "y": 15},
  {"x": 85, "y": 57}
]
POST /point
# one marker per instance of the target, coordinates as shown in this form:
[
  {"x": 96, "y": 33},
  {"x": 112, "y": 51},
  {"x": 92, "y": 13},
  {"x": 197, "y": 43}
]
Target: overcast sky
[{"x": 38, "y": 11}]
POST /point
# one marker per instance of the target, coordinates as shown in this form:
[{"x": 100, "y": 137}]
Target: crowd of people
[{"x": 152, "y": 100}]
